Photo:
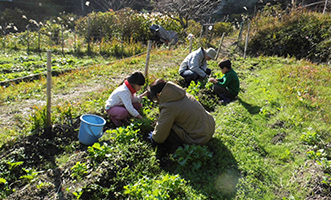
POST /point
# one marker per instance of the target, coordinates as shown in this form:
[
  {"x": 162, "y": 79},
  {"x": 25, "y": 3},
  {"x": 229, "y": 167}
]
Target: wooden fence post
[
  {"x": 147, "y": 59},
  {"x": 49, "y": 86},
  {"x": 240, "y": 33},
  {"x": 75, "y": 42},
  {"x": 88, "y": 36},
  {"x": 4, "y": 43},
  {"x": 100, "y": 49},
  {"x": 27, "y": 40},
  {"x": 62, "y": 42},
  {"x": 220, "y": 46},
  {"x": 39, "y": 50},
  {"x": 190, "y": 37},
  {"x": 200, "y": 44},
  {"x": 247, "y": 38},
  {"x": 325, "y": 5}
]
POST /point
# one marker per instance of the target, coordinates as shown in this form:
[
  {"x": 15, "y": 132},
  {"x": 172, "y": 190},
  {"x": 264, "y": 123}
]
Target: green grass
[{"x": 269, "y": 144}]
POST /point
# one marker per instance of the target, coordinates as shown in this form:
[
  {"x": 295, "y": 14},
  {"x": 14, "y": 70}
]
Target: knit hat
[{"x": 211, "y": 53}]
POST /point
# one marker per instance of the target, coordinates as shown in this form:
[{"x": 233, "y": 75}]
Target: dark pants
[
  {"x": 190, "y": 75},
  {"x": 172, "y": 142},
  {"x": 223, "y": 92}
]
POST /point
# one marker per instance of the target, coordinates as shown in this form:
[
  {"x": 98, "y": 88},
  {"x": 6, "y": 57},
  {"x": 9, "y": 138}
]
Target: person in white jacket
[
  {"x": 194, "y": 66},
  {"x": 123, "y": 101}
]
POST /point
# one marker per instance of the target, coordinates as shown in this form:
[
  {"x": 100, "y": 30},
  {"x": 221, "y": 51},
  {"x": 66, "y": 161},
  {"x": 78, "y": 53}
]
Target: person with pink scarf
[{"x": 123, "y": 101}]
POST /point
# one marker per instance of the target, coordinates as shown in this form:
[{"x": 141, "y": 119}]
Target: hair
[
  {"x": 155, "y": 88},
  {"x": 135, "y": 78},
  {"x": 225, "y": 63}
]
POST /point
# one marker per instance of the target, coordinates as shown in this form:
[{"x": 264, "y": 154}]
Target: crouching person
[
  {"x": 227, "y": 87},
  {"x": 123, "y": 101},
  {"x": 194, "y": 66},
  {"x": 182, "y": 119}
]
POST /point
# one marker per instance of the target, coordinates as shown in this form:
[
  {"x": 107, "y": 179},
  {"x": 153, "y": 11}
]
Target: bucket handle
[{"x": 93, "y": 133}]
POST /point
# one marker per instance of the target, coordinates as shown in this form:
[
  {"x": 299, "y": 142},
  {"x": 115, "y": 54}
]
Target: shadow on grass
[
  {"x": 249, "y": 107},
  {"x": 217, "y": 178}
]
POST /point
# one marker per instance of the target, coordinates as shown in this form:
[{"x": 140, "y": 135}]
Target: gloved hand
[
  {"x": 150, "y": 137},
  {"x": 208, "y": 71}
]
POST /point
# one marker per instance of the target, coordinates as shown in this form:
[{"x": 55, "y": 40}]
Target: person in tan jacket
[{"x": 182, "y": 118}]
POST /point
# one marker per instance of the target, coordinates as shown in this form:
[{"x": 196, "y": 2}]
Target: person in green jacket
[{"x": 227, "y": 87}]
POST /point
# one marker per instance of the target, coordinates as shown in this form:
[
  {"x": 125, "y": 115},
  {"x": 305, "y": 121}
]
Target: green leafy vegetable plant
[
  {"x": 126, "y": 134},
  {"x": 162, "y": 187},
  {"x": 78, "y": 170},
  {"x": 98, "y": 153},
  {"x": 192, "y": 156}
]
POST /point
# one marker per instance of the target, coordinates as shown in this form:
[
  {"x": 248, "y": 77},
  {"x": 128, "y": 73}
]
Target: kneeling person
[
  {"x": 182, "y": 119},
  {"x": 226, "y": 87}
]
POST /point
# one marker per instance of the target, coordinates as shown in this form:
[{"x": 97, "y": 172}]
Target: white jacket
[{"x": 122, "y": 96}]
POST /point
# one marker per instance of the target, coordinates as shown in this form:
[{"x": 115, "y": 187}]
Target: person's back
[
  {"x": 194, "y": 66},
  {"x": 234, "y": 84},
  {"x": 185, "y": 116},
  {"x": 193, "y": 60}
]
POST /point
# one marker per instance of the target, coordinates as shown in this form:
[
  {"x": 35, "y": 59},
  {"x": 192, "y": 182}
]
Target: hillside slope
[{"x": 272, "y": 143}]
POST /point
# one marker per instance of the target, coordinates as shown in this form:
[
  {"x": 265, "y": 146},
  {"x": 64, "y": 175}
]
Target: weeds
[
  {"x": 31, "y": 175},
  {"x": 38, "y": 118},
  {"x": 310, "y": 138},
  {"x": 125, "y": 135}
]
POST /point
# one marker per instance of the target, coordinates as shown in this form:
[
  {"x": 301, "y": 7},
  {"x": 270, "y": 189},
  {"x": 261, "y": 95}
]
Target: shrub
[
  {"x": 97, "y": 25},
  {"x": 194, "y": 28},
  {"x": 296, "y": 33},
  {"x": 222, "y": 27},
  {"x": 125, "y": 24}
]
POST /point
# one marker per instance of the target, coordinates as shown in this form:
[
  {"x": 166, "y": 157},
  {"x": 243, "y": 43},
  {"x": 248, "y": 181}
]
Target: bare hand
[
  {"x": 212, "y": 80},
  {"x": 144, "y": 94}
]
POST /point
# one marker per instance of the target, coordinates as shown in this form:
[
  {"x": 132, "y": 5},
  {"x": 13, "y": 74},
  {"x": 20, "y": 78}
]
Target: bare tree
[
  {"x": 185, "y": 10},
  {"x": 119, "y": 4}
]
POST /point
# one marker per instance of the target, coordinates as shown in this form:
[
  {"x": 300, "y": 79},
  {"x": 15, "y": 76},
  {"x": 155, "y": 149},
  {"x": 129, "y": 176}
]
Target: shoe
[
  {"x": 224, "y": 98},
  {"x": 221, "y": 102}
]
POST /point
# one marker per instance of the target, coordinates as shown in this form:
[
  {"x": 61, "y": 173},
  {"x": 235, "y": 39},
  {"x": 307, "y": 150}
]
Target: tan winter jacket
[{"x": 185, "y": 115}]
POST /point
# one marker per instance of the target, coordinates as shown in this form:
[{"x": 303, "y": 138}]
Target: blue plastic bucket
[{"x": 90, "y": 128}]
